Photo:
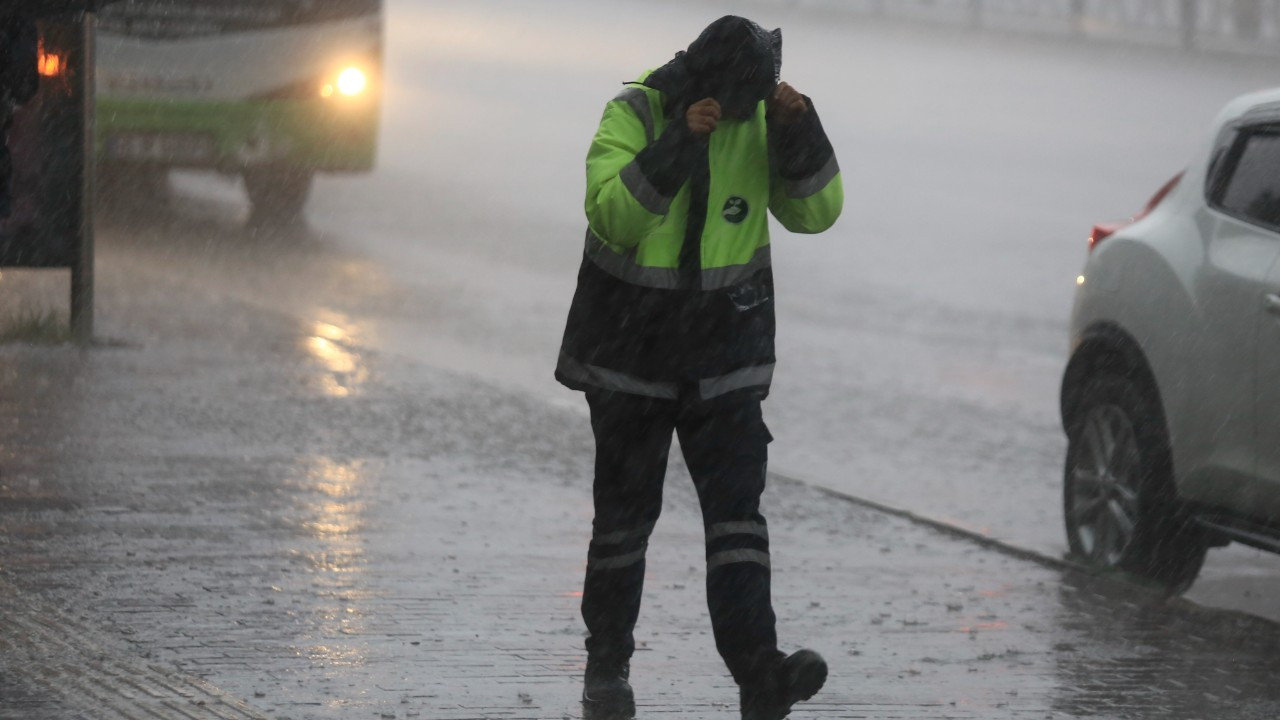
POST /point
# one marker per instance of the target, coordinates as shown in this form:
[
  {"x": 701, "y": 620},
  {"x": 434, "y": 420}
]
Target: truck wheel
[
  {"x": 1119, "y": 496},
  {"x": 278, "y": 195},
  {"x": 132, "y": 186}
]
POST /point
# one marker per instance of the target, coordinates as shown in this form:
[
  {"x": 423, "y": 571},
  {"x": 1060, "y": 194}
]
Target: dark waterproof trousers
[{"x": 726, "y": 452}]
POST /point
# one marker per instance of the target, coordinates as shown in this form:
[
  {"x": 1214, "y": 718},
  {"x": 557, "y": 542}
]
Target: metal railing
[{"x": 1238, "y": 25}]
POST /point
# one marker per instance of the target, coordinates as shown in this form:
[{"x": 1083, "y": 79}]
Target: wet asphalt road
[
  {"x": 245, "y": 491},
  {"x": 921, "y": 341}
]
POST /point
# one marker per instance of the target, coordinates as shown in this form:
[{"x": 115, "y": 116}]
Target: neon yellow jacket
[{"x": 675, "y": 291}]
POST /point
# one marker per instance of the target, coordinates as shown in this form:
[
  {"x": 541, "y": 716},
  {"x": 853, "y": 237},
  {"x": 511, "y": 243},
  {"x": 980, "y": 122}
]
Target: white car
[{"x": 1171, "y": 397}]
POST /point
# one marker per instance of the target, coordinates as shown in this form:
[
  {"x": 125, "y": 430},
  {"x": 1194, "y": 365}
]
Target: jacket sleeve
[
  {"x": 630, "y": 181},
  {"x": 806, "y": 193}
]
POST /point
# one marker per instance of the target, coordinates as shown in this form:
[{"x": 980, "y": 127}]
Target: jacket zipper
[{"x": 699, "y": 190}]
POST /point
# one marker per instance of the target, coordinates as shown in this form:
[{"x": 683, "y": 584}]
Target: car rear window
[{"x": 1252, "y": 192}]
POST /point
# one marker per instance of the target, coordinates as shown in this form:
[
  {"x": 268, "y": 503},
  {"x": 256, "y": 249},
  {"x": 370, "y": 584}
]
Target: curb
[
  {"x": 942, "y": 527},
  {"x": 1240, "y": 619}
]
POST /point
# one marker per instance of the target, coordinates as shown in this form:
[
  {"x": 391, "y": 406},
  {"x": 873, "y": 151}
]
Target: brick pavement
[
  {"x": 258, "y": 503},
  {"x": 54, "y": 668}
]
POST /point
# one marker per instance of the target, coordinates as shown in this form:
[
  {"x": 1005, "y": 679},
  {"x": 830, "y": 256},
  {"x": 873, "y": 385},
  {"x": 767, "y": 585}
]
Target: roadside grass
[{"x": 34, "y": 326}]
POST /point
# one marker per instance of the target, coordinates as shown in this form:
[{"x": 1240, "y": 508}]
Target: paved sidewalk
[
  {"x": 250, "y": 503},
  {"x": 54, "y": 667}
]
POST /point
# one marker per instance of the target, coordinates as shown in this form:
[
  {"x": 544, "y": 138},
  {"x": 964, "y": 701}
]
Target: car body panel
[
  {"x": 1230, "y": 287},
  {"x": 1268, "y": 437},
  {"x": 1187, "y": 284}
]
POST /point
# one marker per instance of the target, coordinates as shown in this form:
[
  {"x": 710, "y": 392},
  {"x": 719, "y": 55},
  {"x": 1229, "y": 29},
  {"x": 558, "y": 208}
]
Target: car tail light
[{"x": 1105, "y": 230}]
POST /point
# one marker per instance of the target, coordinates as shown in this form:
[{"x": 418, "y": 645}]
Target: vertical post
[
  {"x": 1077, "y": 16},
  {"x": 1187, "y": 17},
  {"x": 1248, "y": 19},
  {"x": 82, "y": 269}
]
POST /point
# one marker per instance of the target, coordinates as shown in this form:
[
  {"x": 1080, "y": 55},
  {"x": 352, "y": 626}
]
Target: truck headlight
[{"x": 351, "y": 82}]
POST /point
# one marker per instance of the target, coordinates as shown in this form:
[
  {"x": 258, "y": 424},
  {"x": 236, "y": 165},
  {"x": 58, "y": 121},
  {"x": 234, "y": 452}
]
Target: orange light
[
  {"x": 50, "y": 64},
  {"x": 352, "y": 81},
  {"x": 349, "y": 84}
]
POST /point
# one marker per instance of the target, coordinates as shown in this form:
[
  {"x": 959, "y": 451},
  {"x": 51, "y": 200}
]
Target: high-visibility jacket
[{"x": 675, "y": 289}]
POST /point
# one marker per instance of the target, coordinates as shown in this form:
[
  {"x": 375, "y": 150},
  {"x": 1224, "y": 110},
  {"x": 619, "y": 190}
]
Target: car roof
[{"x": 1265, "y": 101}]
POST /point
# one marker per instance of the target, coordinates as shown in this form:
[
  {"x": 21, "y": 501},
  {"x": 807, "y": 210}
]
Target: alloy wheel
[{"x": 1103, "y": 502}]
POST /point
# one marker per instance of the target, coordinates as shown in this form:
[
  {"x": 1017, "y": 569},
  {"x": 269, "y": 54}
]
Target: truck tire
[{"x": 278, "y": 195}]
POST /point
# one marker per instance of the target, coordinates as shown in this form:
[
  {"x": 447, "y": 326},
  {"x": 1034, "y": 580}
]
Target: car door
[
  {"x": 1248, "y": 194},
  {"x": 1268, "y": 407}
]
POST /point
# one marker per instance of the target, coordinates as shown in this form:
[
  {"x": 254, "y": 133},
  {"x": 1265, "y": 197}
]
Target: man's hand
[
  {"x": 786, "y": 105},
  {"x": 703, "y": 117}
]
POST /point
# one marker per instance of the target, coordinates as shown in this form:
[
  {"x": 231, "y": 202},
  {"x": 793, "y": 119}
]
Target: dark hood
[{"x": 734, "y": 60}]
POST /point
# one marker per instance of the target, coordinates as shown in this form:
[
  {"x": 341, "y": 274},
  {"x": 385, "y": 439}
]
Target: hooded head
[{"x": 735, "y": 61}]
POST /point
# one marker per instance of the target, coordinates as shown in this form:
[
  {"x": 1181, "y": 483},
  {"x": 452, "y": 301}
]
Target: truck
[{"x": 269, "y": 91}]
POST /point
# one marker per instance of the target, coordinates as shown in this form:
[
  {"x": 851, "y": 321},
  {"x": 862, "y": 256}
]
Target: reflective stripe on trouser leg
[
  {"x": 737, "y": 542},
  {"x": 633, "y": 439},
  {"x": 619, "y": 549},
  {"x": 727, "y": 454},
  {"x": 612, "y": 590},
  {"x": 738, "y": 593}
]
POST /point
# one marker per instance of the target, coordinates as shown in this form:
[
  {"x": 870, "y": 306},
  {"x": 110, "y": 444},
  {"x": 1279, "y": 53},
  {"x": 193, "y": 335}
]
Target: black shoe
[
  {"x": 606, "y": 694},
  {"x": 799, "y": 677}
]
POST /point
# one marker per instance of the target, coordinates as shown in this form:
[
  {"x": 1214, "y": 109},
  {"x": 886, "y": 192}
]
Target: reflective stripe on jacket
[{"x": 675, "y": 290}]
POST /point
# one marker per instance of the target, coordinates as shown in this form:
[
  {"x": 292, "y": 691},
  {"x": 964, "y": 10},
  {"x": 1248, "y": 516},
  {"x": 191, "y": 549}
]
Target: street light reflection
[
  {"x": 339, "y": 515},
  {"x": 336, "y": 520},
  {"x": 333, "y": 347},
  {"x": 335, "y": 523},
  {"x": 329, "y": 331},
  {"x": 334, "y": 657},
  {"x": 337, "y": 480}
]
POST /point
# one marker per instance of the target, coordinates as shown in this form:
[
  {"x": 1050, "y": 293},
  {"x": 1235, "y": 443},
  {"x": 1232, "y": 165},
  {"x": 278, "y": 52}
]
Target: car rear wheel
[{"x": 1118, "y": 491}]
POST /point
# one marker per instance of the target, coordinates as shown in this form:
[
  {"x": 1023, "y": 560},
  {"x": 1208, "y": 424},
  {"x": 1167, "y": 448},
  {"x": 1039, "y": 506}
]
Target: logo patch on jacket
[{"x": 735, "y": 210}]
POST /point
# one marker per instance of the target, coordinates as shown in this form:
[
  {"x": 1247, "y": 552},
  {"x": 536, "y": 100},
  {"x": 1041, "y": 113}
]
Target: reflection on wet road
[
  {"x": 411, "y": 547},
  {"x": 333, "y": 347},
  {"x": 322, "y": 471}
]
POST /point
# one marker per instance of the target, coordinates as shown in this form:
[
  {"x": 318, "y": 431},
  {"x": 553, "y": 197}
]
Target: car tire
[
  {"x": 278, "y": 195},
  {"x": 1119, "y": 497}
]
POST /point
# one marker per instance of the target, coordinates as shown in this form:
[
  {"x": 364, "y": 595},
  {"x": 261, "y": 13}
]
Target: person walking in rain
[{"x": 671, "y": 329}]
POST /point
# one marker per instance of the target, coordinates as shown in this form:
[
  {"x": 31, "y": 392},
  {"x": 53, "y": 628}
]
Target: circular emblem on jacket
[{"x": 736, "y": 209}]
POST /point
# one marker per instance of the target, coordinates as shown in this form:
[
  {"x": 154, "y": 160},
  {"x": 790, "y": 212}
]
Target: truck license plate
[{"x": 160, "y": 147}]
